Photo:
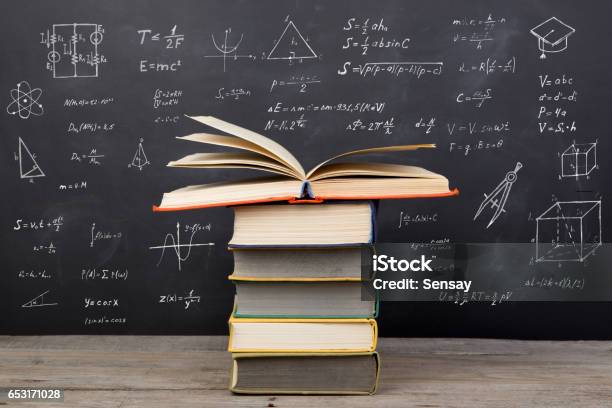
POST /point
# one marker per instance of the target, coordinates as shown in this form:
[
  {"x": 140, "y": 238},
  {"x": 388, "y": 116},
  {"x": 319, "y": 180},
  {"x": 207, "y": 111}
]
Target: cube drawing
[
  {"x": 579, "y": 159},
  {"x": 568, "y": 231}
]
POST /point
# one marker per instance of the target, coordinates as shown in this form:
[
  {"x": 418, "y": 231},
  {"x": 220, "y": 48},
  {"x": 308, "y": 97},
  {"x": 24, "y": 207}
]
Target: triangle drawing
[
  {"x": 28, "y": 167},
  {"x": 291, "y": 45},
  {"x": 140, "y": 158},
  {"x": 38, "y": 301}
]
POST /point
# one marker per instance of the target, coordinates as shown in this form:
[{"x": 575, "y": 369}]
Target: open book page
[
  {"x": 233, "y": 142},
  {"x": 371, "y": 169},
  {"x": 268, "y": 144},
  {"x": 232, "y": 193},
  {"x": 386, "y": 149},
  {"x": 353, "y": 188},
  {"x": 233, "y": 160}
]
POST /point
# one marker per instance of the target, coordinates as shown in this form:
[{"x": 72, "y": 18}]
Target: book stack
[{"x": 299, "y": 323}]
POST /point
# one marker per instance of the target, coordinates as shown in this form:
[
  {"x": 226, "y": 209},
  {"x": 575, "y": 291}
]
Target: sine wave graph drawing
[{"x": 174, "y": 243}]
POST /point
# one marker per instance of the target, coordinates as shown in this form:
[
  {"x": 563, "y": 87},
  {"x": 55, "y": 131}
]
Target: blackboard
[{"x": 96, "y": 91}]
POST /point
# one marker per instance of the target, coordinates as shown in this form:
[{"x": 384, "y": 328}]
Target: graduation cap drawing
[{"x": 552, "y": 35}]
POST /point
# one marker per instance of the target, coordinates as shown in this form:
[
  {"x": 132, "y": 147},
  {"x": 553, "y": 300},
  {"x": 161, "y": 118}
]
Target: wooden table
[{"x": 177, "y": 371}]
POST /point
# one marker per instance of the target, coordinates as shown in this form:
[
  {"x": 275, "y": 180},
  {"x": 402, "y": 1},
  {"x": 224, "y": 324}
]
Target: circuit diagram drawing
[{"x": 74, "y": 50}]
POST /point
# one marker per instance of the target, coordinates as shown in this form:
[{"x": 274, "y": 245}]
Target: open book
[{"x": 329, "y": 180}]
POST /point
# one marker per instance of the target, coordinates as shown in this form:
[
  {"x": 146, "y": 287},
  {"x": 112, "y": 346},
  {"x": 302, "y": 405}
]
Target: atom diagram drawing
[{"x": 25, "y": 101}]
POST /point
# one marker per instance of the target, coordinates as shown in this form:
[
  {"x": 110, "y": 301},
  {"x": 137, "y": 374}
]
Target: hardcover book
[
  {"x": 299, "y": 264},
  {"x": 302, "y": 300},
  {"x": 321, "y": 225},
  {"x": 329, "y": 180},
  {"x": 294, "y": 373},
  {"x": 302, "y": 335}
]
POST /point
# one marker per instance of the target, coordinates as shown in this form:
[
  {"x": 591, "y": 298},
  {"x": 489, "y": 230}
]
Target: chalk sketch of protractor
[{"x": 498, "y": 197}]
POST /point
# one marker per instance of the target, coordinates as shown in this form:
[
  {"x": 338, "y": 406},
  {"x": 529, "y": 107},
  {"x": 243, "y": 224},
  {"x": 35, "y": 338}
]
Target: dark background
[{"x": 119, "y": 198}]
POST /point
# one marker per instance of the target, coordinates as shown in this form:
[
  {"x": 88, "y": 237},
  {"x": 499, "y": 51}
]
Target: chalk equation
[{"x": 187, "y": 299}]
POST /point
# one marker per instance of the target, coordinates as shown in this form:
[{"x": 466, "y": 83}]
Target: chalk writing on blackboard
[
  {"x": 90, "y": 127},
  {"x": 408, "y": 219},
  {"x": 24, "y": 101},
  {"x": 88, "y": 321},
  {"x": 461, "y": 298},
  {"x": 40, "y": 301},
  {"x": 28, "y": 166},
  {"x": 565, "y": 283},
  {"x": 171, "y": 40},
  {"x": 476, "y": 31},
  {"x": 291, "y": 46},
  {"x": 490, "y": 66},
  {"x": 287, "y": 125},
  {"x": 477, "y": 127},
  {"x": 396, "y": 69},
  {"x": 109, "y": 302},
  {"x": 480, "y": 145},
  {"x": 77, "y": 185},
  {"x": 187, "y": 299},
  {"x": 51, "y": 224},
  {"x": 93, "y": 157},
  {"x": 302, "y": 82},
  {"x": 233, "y": 93},
  {"x": 96, "y": 235},
  {"x": 477, "y": 99},
  {"x": 366, "y": 30},
  {"x": 174, "y": 242},
  {"x": 560, "y": 92},
  {"x": 34, "y": 274},
  {"x": 163, "y": 98},
  {"x": 157, "y": 66},
  {"x": 81, "y": 102},
  {"x": 139, "y": 160},
  {"x": 105, "y": 274},
  {"x": 228, "y": 49},
  {"x": 385, "y": 126},
  {"x": 49, "y": 248},
  {"x": 75, "y": 50},
  {"x": 497, "y": 198}
]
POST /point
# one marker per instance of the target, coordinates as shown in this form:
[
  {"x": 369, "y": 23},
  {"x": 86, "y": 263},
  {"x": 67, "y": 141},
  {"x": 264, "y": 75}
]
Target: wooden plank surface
[{"x": 176, "y": 371}]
